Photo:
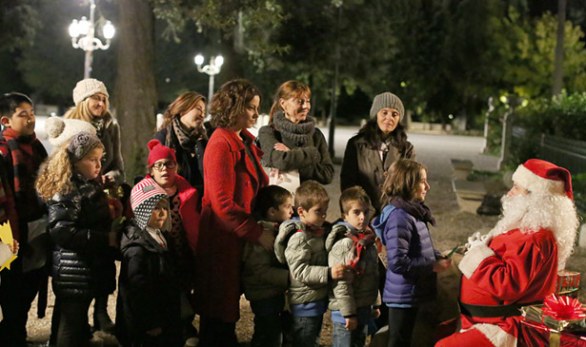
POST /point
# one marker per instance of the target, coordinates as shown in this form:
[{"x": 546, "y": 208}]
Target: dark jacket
[
  {"x": 149, "y": 294},
  {"x": 113, "y": 165},
  {"x": 190, "y": 161},
  {"x": 308, "y": 151},
  {"x": 410, "y": 278},
  {"x": 362, "y": 166},
  {"x": 79, "y": 223}
]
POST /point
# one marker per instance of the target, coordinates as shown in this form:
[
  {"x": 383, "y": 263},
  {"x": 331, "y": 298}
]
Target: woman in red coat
[{"x": 233, "y": 175}]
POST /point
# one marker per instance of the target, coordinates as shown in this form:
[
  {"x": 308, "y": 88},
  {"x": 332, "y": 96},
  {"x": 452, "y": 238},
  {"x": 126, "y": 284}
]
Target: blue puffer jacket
[{"x": 410, "y": 254}]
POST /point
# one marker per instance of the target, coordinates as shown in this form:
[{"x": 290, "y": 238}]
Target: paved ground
[{"x": 453, "y": 227}]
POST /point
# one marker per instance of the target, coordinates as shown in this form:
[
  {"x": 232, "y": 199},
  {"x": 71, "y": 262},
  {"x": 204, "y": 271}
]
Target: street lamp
[
  {"x": 83, "y": 36},
  {"x": 212, "y": 69}
]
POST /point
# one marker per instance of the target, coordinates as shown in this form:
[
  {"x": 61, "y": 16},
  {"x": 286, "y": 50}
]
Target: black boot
[{"x": 101, "y": 319}]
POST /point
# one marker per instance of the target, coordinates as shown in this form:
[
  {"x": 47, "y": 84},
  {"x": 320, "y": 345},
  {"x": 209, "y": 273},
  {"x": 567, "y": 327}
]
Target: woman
[
  {"x": 91, "y": 100},
  {"x": 183, "y": 130},
  {"x": 292, "y": 141},
  {"x": 380, "y": 142},
  {"x": 233, "y": 176}
]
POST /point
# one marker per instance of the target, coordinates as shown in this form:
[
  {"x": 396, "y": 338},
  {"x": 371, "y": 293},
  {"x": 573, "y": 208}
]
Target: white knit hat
[
  {"x": 60, "y": 130},
  {"x": 86, "y": 88},
  {"x": 387, "y": 100}
]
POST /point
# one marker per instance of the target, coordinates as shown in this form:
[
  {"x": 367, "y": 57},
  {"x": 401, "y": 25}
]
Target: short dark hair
[
  {"x": 402, "y": 179},
  {"x": 270, "y": 196},
  {"x": 355, "y": 193},
  {"x": 10, "y": 101},
  {"x": 230, "y": 102},
  {"x": 310, "y": 193}
]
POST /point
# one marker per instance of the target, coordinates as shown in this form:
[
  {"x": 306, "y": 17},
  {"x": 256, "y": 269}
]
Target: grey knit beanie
[
  {"x": 385, "y": 100},
  {"x": 81, "y": 144}
]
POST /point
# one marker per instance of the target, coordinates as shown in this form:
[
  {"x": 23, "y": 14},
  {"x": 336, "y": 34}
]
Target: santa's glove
[{"x": 476, "y": 240}]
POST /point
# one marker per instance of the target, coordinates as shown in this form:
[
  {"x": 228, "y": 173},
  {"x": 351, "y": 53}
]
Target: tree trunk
[
  {"x": 136, "y": 95},
  {"x": 558, "y": 71}
]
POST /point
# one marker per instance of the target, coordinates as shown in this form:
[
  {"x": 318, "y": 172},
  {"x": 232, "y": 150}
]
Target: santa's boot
[{"x": 101, "y": 319}]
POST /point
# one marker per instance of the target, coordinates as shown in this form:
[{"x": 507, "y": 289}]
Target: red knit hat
[
  {"x": 543, "y": 177},
  {"x": 159, "y": 151}
]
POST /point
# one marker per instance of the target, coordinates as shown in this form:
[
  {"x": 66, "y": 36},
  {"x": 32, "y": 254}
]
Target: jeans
[
  {"x": 401, "y": 324},
  {"x": 306, "y": 330},
  {"x": 349, "y": 338}
]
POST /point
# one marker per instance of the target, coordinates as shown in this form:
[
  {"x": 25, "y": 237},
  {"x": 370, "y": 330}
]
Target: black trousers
[
  {"x": 216, "y": 333},
  {"x": 73, "y": 328},
  {"x": 401, "y": 324}
]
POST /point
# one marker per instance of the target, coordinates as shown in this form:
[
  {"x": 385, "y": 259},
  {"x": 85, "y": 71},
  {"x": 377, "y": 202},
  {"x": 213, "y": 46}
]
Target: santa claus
[{"x": 516, "y": 263}]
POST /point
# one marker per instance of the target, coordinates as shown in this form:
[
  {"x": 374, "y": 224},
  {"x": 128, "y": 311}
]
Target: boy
[
  {"x": 300, "y": 244},
  {"x": 149, "y": 297},
  {"x": 22, "y": 154},
  {"x": 352, "y": 242},
  {"x": 264, "y": 279}
]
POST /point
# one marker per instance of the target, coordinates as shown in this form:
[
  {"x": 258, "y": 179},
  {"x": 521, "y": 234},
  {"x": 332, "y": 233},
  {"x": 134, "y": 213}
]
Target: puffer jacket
[
  {"x": 362, "y": 166},
  {"x": 149, "y": 293},
  {"x": 410, "y": 254},
  {"x": 361, "y": 289},
  {"x": 79, "y": 222},
  {"x": 306, "y": 256},
  {"x": 263, "y": 276}
]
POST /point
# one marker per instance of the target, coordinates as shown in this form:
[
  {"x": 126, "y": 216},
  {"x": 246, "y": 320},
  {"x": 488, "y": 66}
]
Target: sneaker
[{"x": 191, "y": 342}]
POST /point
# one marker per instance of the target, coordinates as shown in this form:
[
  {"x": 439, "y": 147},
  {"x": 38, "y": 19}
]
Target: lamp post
[
  {"x": 83, "y": 36},
  {"x": 212, "y": 69}
]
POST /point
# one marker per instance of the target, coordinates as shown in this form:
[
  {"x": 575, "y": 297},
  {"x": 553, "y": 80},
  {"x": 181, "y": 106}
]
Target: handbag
[{"x": 286, "y": 179}]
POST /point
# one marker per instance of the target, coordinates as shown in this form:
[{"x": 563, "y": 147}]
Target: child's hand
[
  {"x": 337, "y": 271},
  {"x": 375, "y": 313},
  {"x": 351, "y": 323},
  {"x": 14, "y": 247},
  {"x": 267, "y": 240},
  {"x": 154, "y": 332},
  {"x": 442, "y": 265}
]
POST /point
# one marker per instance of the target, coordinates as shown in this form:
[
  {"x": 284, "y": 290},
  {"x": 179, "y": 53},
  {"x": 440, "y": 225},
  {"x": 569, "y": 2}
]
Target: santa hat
[
  {"x": 159, "y": 151},
  {"x": 88, "y": 87},
  {"x": 60, "y": 130},
  {"x": 144, "y": 197},
  {"x": 543, "y": 177}
]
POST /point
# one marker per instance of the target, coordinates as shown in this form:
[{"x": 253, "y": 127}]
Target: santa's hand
[{"x": 476, "y": 240}]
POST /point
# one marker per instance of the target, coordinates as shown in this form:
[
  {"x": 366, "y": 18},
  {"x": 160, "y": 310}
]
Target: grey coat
[
  {"x": 359, "y": 290},
  {"x": 306, "y": 256},
  {"x": 308, "y": 149},
  {"x": 363, "y": 166}
]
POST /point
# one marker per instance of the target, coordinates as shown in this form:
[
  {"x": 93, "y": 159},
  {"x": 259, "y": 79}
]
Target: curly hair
[
  {"x": 55, "y": 174},
  {"x": 401, "y": 180},
  {"x": 230, "y": 102},
  {"x": 287, "y": 90},
  {"x": 82, "y": 111},
  {"x": 180, "y": 106},
  {"x": 375, "y": 137}
]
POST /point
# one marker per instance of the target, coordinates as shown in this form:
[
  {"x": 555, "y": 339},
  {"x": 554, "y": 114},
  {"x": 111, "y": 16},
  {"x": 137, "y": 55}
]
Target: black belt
[{"x": 491, "y": 311}]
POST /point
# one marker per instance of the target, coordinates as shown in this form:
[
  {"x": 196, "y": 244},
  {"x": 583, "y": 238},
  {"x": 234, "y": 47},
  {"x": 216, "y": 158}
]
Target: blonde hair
[
  {"x": 55, "y": 174},
  {"x": 82, "y": 110}
]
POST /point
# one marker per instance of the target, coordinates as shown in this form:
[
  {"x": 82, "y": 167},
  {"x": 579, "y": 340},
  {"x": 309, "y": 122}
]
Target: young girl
[
  {"x": 412, "y": 260},
  {"x": 81, "y": 228},
  {"x": 149, "y": 294}
]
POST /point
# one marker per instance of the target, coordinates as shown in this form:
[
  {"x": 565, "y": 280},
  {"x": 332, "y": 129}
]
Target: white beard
[{"x": 532, "y": 212}]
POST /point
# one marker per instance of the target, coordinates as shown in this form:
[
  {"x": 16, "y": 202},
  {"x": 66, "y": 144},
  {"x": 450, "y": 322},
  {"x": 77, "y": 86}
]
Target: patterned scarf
[
  {"x": 361, "y": 241},
  {"x": 299, "y": 134},
  {"x": 187, "y": 139}
]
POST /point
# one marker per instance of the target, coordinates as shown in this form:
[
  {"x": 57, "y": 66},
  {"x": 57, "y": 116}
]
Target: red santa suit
[{"x": 513, "y": 269}]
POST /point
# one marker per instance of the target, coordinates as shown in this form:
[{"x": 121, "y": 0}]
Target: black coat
[
  {"x": 79, "y": 222},
  {"x": 149, "y": 295},
  {"x": 190, "y": 161}
]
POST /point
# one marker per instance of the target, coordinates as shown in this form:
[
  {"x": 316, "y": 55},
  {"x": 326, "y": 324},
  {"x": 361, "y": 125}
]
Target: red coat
[
  {"x": 232, "y": 182},
  {"x": 515, "y": 268}
]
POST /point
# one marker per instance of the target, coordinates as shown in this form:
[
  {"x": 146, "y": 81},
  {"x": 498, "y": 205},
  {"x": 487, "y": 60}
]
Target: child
[
  {"x": 149, "y": 296},
  {"x": 351, "y": 242},
  {"x": 22, "y": 154},
  {"x": 264, "y": 279},
  {"x": 300, "y": 245},
  {"x": 82, "y": 231},
  {"x": 412, "y": 260}
]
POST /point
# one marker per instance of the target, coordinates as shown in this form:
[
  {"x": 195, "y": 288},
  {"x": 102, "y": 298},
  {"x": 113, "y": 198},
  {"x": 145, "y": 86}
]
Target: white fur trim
[
  {"x": 60, "y": 130},
  {"x": 534, "y": 183},
  {"x": 473, "y": 258},
  {"x": 496, "y": 335}
]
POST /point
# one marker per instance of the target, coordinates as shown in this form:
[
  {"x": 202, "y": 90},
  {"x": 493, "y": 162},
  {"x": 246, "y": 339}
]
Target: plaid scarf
[{"x": 23, "y": 155}]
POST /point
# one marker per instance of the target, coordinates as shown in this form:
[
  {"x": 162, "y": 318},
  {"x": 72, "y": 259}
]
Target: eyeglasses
[{"x": 164, "y": 164}]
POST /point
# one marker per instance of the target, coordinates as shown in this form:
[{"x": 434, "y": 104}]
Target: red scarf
[{"x": 361, "y": 242}]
